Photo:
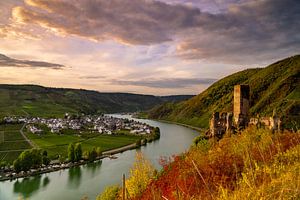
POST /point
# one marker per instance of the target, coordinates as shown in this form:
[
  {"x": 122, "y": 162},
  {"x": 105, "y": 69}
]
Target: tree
[
  {"x": 93, "y": 155},
  {"x": 45, "y": 159},
  {"x": 71, "y": 152},
  {"x": 17, "y": 165},
  {"x": 110, "y": 193},
  {"x": 140, "y": 176},
  {"x": 36, "y": 157},
  {"x": 28, "y": 159},
  {"x": 138, "y": 143},
  {"x": 99, "y": 151},
  {"x": 78, "y": 152}
]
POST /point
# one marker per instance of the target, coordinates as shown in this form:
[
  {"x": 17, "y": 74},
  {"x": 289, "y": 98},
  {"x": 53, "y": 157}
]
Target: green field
[
  {"x": 58, "y": 144},
  {"x": 12, "y": 142}
]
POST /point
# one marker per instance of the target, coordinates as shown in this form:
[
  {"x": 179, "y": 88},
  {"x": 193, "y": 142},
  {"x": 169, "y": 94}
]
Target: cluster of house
[
  {"x": 221, "y": 123},
  {"x": 103, "y": 124}
]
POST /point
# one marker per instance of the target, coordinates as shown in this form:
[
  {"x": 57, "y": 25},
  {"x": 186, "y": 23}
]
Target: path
[
  {"x": 25, "y": 137},
  {"x": 15, "y": 150},
  {"x": 121, "y": 149}
]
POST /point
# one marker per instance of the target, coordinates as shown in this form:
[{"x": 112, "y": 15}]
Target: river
[{"x": 90, "y": 180}]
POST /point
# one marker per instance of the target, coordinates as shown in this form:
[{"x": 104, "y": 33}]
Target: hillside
[
  {"x": 274, "y": 87},
  {"x": 43, "y": 101}
]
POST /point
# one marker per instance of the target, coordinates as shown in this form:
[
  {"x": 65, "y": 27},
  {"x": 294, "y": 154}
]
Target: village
[{"x": 102, "y": 124}]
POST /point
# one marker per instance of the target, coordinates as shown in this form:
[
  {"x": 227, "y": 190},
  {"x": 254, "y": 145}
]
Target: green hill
[
  {"x": 46, "y": 102},
  {"x": 274, "y": 87}
]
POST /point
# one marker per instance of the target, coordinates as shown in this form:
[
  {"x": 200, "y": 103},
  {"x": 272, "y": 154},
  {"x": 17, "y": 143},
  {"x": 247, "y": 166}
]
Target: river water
[{"x": 90, "y": 180}]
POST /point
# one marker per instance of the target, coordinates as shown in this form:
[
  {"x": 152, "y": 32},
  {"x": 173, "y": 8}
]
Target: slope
[
  {"x": 274, "y": 87},
  {"x": 43, "y": 101}
]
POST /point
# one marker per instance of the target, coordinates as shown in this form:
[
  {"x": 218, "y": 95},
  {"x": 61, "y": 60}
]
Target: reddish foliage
[{"x": 180, "y": 179}]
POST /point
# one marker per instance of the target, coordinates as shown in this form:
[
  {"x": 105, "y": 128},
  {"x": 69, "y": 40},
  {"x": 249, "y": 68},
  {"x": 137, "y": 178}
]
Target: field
[
  {"x": 12, "y": 142},
  {"x": 58, "y": 144}
]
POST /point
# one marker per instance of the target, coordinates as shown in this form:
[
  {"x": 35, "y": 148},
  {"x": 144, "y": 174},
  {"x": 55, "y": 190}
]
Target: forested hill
[
  {"x": 43, "y": 101},
  {"x": 274, "y": 87}
]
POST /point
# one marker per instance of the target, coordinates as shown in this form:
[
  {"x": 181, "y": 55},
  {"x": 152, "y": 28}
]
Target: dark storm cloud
[
  {"x": 166, "y": 83},
  {"x": 10, "y": 62},
  {"x": 245, "y": 32},
  {"x": 259, "y": 30}
]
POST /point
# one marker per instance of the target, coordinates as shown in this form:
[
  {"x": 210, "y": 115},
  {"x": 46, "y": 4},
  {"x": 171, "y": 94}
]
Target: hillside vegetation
[
  {"x": 274, "y": 87},
  {"x": 256, "y": 164},
  {"x": 46, "y": 102}
]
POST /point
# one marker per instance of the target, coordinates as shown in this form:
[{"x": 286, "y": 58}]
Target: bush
[
  {"x": 45, "y": 159},
  {"x": 28, "y": 159},
  {"x": 71, "y": 152},
  {"x": 90, "y": 155},
  {"x": 138, "y": 143},
  {"x": 99, "y": 151},
  {"x": 140, "y": 176},
  {"x": 110, "y": 193},
  {"x": 77, "y": 152},
  {"x": 252, "y": 165},
  {"x": 3, "y": 164}
]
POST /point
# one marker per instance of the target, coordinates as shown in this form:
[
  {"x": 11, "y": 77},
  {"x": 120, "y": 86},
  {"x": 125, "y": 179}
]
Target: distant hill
[
  {"x": 274, "y": 87},
  {"x": 43, "y": 101}
]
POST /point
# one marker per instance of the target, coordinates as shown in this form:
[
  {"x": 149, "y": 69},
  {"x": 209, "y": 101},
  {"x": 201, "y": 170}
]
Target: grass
[
  {"x": 55, "y": 102},
  {"x": 12, "y": 142},
  {"x": 255, "y": 164},
  {"x": 58, "y": 144},
  {"x": 14, "y": 145},
  {"x": 273, "y": 87}
]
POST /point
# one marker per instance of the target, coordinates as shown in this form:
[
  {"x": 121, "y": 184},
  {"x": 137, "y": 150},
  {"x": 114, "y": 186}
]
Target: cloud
[
  {"x": 247, "y": 33},
  {"x": 93, "y": 77},
  {"x": 166, "y": 83},
  {"x": 10, "y": 62},
  {"x": 141, "y": 22},
  {"x": 236, "y": 31}
]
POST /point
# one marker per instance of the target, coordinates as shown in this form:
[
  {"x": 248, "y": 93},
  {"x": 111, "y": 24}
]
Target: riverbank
[
  {"x": 169, "y": 122},
  {"x": 177, "y": 123},
  {"x": 90, "y": 180},
  {"x": 11, "y": 175}
]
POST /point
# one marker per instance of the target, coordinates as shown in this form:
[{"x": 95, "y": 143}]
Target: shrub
[
  {"x": 71, "y": 152},
  {"x": 252, "y": 165},
  {"x": 28, "y": 159},
  {"x": 99, "y": 151},
  {"x": 140, "y": 176},
  {"x": 77, "y": 152},
  {"x": 110, "y": 193}
]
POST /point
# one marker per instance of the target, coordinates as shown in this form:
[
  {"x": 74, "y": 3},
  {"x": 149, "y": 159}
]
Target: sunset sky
[{"x": 142, "y": 46}]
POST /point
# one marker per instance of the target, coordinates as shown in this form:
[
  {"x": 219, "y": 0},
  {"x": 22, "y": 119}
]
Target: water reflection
[
  {"x": 74, "y": 177},
  {"x": 91, "y": 179},
  {"x": 92, "y": 168},
  {"x": 28, "y": 186}
]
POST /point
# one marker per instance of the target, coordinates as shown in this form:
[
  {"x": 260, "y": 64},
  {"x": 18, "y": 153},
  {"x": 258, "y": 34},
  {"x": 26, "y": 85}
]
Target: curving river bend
[{"x": 89, "y": 180}]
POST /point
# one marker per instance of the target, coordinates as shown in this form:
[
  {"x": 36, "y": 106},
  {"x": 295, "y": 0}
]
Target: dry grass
[{"x": 255, "y": 164}]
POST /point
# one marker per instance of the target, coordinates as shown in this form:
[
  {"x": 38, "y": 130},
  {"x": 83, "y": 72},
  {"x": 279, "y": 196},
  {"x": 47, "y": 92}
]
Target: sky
[{"x": 162, "y": 47}]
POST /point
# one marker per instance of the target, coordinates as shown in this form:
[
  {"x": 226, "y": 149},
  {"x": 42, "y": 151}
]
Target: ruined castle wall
[{"x": 241, "y": 103}]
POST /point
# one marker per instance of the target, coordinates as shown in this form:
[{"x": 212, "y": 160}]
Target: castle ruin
[
  {"x": 225, "y": 122},
  {"x": 241, "y": 105}
]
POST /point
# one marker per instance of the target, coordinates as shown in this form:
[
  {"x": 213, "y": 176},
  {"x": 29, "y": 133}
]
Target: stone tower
[{"x": 241, "y": 104}]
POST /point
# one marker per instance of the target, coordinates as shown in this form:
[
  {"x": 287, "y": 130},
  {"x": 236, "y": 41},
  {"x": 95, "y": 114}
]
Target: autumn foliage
[{"x": 255, "y": 164}]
